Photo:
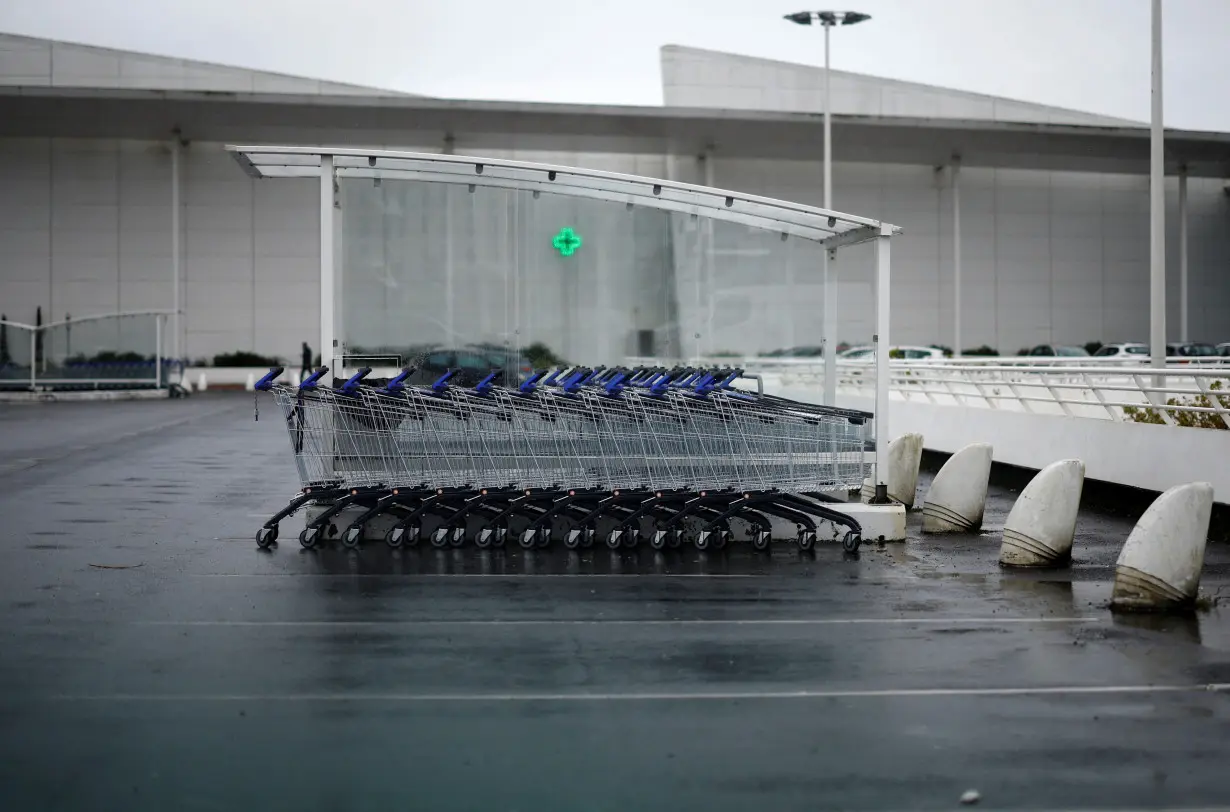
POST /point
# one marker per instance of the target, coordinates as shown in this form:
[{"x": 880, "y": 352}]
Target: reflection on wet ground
[{"x": 154, "y": 659}]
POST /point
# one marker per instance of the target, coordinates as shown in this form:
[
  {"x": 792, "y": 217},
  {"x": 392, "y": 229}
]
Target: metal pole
[
  {"x": 157, "y": 352},
  {"x": 881, "y": 344},
  {"x": 1157, "y": 209},
  {"x": 176, "y": 270},
  {"x": 707, "y": 267},
  {"x": 449, "y": 145},
  {"x": 1184, "y": 334},
  {"x": 34, "y": 359},
  {"x": 956, "y": 257},
  {"x": 828, "y": 278},
  {"x": 828, "y": 128},
  {"x": 327, "y": 290}
]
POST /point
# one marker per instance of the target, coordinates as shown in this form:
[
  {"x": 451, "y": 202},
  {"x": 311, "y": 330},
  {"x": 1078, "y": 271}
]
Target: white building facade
[{"x": 1048, "y": 256}]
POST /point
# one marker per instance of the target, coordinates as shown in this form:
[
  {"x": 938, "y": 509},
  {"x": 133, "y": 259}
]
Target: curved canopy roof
[{"x": 831, "y": 228}]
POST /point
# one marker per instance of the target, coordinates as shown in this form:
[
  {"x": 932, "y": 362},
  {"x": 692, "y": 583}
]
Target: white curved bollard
[
  {"x": 901, "y": 466},
  {"x": 1160, "y": 565},
  {"x": 294, "y": 378},
  {"x": 201, "y": 383},
  {"x": 1042, "y": 522},
  {"x": 958, "y": 494},
  {"x": 250, "y": 384}
]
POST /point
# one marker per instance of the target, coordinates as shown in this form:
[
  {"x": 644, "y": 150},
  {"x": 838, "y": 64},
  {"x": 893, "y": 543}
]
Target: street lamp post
[{"x": 828, "y": 19}]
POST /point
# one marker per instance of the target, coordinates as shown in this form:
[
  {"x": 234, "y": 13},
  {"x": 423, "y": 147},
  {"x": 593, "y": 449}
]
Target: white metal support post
[
  {"x": 956, "y": 257},
  {"x": 327, "y": 289},
  {"x": 1184, "y": 335},
  {"x": 157, "y": 352},
  {"x": 1157, "y": 209},
  {"x": 881, "y": 344},
  {"x": 828, "y": 276},
  {"x": 176, "y": 251}
]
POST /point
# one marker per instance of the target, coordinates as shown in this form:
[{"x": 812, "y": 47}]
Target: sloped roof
[
  {"x": 695, "y": 77},
  {"x": 35, "y": 62}
]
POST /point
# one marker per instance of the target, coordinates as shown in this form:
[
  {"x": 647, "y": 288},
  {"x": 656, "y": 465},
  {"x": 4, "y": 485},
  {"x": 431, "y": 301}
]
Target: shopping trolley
[{"x": 647, "y": 454}]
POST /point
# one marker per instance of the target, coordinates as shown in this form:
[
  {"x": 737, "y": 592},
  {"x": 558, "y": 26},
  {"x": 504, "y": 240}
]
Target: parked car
[
  {"x": 868, "y": 353},
  {"x": 472, "y": 365},
  {"x": 1130, "y": 353},
  {"x": 1224, "y": 350},
  {"x": 1058, "y": 351},
  {"x": 1191, "y": 349}
]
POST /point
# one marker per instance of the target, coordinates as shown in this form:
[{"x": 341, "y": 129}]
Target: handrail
[{"x": 123, "y": 314}]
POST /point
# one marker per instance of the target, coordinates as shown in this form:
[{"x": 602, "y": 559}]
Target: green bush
[
  {"x": 1196, "y": 420},
  {"x": 243, "y": 358},
  {"x": 1092, "y": 347},
  {"x": 540, "y": 356},
  {"x": 942, "y": 348},
  {"x": 984, "y": 352}
]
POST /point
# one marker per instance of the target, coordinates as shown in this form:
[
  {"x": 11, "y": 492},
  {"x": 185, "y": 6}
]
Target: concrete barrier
[
  {"x": 1042, "y": 522},
  {"x": 957, "y": 497},
  {"x": 201, "y": 382},
  {"x": 1159, "y": 567},
  {"x": 901, "y": 463}
]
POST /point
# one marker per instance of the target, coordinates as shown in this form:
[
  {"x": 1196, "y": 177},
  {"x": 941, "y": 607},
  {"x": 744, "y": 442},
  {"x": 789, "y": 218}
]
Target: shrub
[
  {"x": 984, "y": 351},
  {"x": 539, "y": 355},
  {"x": 243, "y": 358},
  {"x": 1092, "y": 347},
  {"x": 1196, "y": 420},
  {"x": 946, "y": 350}
]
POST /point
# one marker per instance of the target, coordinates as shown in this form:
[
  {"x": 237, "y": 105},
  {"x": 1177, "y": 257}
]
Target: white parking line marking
[
  {"x": 433, "y": 575},
  {"x": 838, "y": 621},
  {"x": 723, "y": 696}
]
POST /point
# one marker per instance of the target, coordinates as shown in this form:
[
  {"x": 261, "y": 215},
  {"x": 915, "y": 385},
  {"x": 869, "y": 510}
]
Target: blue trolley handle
[
  {"x": 529, "y": 384},
  {"x": 441, "y": 383},
  {"x": 266, "y": 383},
  {"x": 311, "y": 381},
  {"x": 397, "y": 384},
  {"x": 550, "y": 379},
  {"x": 351, "y": 387},
  {"x": 484, "y": 386}
]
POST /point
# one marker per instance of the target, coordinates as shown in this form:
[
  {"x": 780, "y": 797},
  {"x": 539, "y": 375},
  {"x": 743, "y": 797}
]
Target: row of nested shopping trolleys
[{"x": 657, "y": 456}]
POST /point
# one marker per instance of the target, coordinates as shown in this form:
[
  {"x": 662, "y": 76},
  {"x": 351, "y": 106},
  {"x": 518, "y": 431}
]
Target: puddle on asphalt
[{"x": 46, "y": 546}]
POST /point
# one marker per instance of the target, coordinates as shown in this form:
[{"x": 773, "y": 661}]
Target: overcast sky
[{"x": 1085, "y": 54}]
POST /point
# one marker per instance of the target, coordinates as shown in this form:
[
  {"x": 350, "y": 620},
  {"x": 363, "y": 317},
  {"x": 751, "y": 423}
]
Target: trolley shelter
[{"x": 452, "y": 265}]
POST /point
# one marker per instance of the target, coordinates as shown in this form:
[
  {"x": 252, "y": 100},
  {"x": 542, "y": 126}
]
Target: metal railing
[
  {"x": 1194, "y": 395},
  {"x": 107, "y": 351}
]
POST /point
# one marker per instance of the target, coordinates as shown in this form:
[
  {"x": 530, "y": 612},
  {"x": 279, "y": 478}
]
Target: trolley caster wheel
[
  {"x": 587, "y": 537},
  {"x": 309, "y": 536},
  {"x": 659, "y": 539},
  {"x": 266, "y": 537},
  {"x": 529, "y": 538},
  {"x": 632, "y": 538},
  {"x": 721, "y": 538},
  {"x": 615, "y": 538},
  {"x": 544, "y": 538},
  {"x": 575, "y": 538},
  {"x": 439, "y": 538},
  {"x": 396, "y": 537},
  {"x": 761, "y": 539},
  {"x": 704, "y": 539},
  {"x": 490, "y": 537},
  {"x": 673, "y": 539},
  {"x": 352, "y": 537},
  {"x": 851, "y": 542},
  {"x": 457, "y": 537},
  {"x": 807, "y": 540}
]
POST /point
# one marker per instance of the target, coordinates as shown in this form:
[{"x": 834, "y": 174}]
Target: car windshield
[
  {"x": 1138, "y": 350},
  {"x": 1105, "y": 351},
  {"x": 1199, "y": 350},
  {"x": 1071, "y": 351}
]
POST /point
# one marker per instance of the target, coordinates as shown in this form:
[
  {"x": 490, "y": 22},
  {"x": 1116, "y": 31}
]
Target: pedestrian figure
[{"x": 307, "y": 361}]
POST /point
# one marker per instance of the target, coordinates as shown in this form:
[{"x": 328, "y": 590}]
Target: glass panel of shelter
[{"x": 428, "y": 270}]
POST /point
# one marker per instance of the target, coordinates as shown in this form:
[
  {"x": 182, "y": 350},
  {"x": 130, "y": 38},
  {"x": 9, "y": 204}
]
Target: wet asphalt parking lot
[{"x": 153, "y": 659}]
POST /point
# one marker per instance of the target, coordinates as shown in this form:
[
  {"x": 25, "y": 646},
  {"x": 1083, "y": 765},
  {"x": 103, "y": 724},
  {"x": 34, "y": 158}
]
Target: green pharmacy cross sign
[{"x": 566, "y": 242}]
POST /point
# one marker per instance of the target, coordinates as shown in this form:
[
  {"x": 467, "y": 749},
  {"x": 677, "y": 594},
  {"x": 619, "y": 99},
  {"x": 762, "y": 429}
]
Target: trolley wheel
[
  {"x": 761, "y": 539},
  {"x": 499, "y": 537},
  {"x": 587, "y": 537},
  {"x": 851, "y": 541},
  {"x": 658, "y": 539},
  {"x": 721, "y": 538},
  {"x": 704, "y": 539},
  {"x": 543, "y": 538},
  {"x": 483, "y": 540},
  {"x": 267, "y": 537},
  {"x": 632, "y": 537},
  {"x": 614, "y": 538},
  {"x": 309, "y": 536},
  {"x": 529, "y": 537},
  {"x": 439, "y": 538},
  {"x": 396, "y": 537},
  {"x": 807, "y": 540},
  {"x": 673, "y": 539},
  {"x": 352, "y": 537},
  {"x": 574, "y": 538},
  {"x": 457, "y": 537}
]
